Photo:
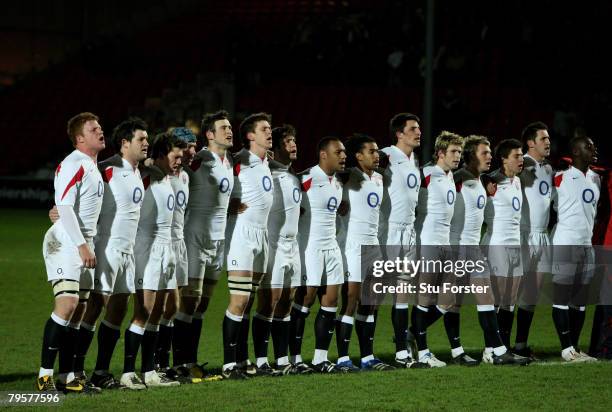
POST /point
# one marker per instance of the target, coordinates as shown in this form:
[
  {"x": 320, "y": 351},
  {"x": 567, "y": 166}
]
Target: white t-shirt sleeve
[{"x": 70, "y": 224}]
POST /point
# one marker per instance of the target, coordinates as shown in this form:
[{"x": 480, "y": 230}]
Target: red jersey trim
[
  {"x": 306, "y": 185},
  {"x": 108, "y": 174},
  {"x": 558, "y": 179},
  {"x": 76, "y": 178}
]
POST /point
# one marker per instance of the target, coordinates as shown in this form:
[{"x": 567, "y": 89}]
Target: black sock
[
  {"x": 483, "y": 319},
  {"x": 296, "y": 331},
  {"x": 365, "y": 334},
  {"x": 452, "y": 325},
  {"x": 505, "y": 319},
  {"x": 196, "y": 332},
  {"x": 261, "y": 336},
  {"x": 180, "y": 342},
  {"x": 324, "y": 329},
  {"x": 132, "y": 343},
  {"x": 433, "y": 315},
  {"x": 85, "y": 336},
  {"x": 419, "y": 322},
  {"x": 149, "y": 343},
  {"x": 53, "y": 336},
  {"x": 242, "y": 349},
  {"x": 562, "y": 324},
  {"x": 164, "y": 343},
  {"x": 107, "y": 340},
  {"x": 231, "y": 330},
  {"x": 523, "y": 324},
  {"x": 400, "y": 328},
  {"x": 343, "y": 337},
  {"x": 68, "y": 350},
  {"x": 280, "y": 337},
  {"x": 576, "y": 322}
]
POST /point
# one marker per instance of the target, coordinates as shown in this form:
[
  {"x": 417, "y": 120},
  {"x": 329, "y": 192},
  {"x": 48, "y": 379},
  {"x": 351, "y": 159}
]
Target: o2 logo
[
  {"x": 373, "y": 200},
  {"x": 181, "y": 198},
  {"x": 100, "y": 189},
  {"x": 412, "y": 181},
  {"x": 450, "y": 197},
  {"x": 588, "y": 196},
  {"x": 266, "y": 182},
  {"x": 332, "y": 204},
  {"x": 516, "y": 203},
  {"x": 544, "y": 188},
  {"x": 480, "y": 202},
  {"x": 297, "y": 195},
  {"x": 224, "y": 185},
  {"x": 137, "y": 195},
  {"x": 170, "y": 202}
]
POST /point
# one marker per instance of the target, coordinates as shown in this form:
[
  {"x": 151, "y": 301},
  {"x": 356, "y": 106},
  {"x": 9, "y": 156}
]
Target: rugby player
[
  {"x": 402, "y": 180},
  {"x": 320, "y": 255},
  {"x": 434, "y": 214},
  {"x": 155, "y": 262},
  {"x": 575, "y": 196},
  {"x": 68, "y": 250},
  {"x": 536, "y": 182},
  {"x": 248, "y": 240},
  {"x": 502, "y": 238},
  {"x": 362, "y": 192}
]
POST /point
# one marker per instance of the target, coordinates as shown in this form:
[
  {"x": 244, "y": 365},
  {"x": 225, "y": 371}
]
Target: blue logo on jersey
[
  {"x": 100, "y": 188},
  {"x": 170, "y": 202},
  {"x": 180, "y": 198},
  {"x": 266, "y": 183},
  {"x": 297, "y": 195},
  {"x": 480, "y": 202},
  {"x": 544, "y": 188},
  {"x": 450, "y": 197},
  {"x": 373, "y": 199},
  {"x": 137, "y": 195},
  {"x": 224, "y": 185},
  {"x": 588, "y": 195},
  {"x": 332, "y": 204},
  {"x": 412, "y": 180},
  {"x": 516, "y": 203}
]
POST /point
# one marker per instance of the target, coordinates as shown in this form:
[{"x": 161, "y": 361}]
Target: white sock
[
  {"x": 343, "y": 359},
  {"x": 457, "y": 351},
  {"x": 66, "y": 377},
  {"x": 139, "y": 330},
  {"x": 367, "y": 358},
  {"x": 261, "y": 361},
  {"x": 45, "y": 372},
  {"x": 488, "y": 350},
  {"x": 500, "y": 350},
  {"x": 229, "y": 366},
  {"x": 282, "y": 361},
  {"x": 296, "y": 359},
  {"x": 403, "y": 354},
  {"x": 320, "y": 356}
]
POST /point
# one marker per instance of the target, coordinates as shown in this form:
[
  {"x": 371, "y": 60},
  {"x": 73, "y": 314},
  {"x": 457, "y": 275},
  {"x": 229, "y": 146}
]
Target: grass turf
[{"x": 550, "y": 385}]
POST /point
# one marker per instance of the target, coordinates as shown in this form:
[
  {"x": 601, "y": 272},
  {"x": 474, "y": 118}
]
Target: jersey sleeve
[{"x": 68, "y": 178}]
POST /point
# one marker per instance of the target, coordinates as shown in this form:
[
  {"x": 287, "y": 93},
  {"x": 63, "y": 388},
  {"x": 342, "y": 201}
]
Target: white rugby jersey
[
  {"x": 575, "y": 198},
  {"x": 503, "y": 211},
  {"x": 211, "y": 181},
  {"x": 468, "y": 216},
  {"x": 402, "y": 180},
  {"x": 321, "y": 196},
  {"x": 78, "y": 183},
  {"x": 157, "y": 207},
  {"x": 180, "y": 187},
  {"x": 285, "y": 211},
  {"x": 436, "y": 206},
  {"x": 536, "y": 182},
  {"x": 364, "y": 195},
  {"x": 253, "y": 186},
  {"x": 123, "y": 195}
]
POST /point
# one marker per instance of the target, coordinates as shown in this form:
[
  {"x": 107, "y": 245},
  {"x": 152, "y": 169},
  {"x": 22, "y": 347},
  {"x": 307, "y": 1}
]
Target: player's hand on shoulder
[
  {"x": 236, "y": 206},
  {"x": 87, "y": 256},
  {"x": 343, "y": 208},
  {"x": 53, "y": 214}
]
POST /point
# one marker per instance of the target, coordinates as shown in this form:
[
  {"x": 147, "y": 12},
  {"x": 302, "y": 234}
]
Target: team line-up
[{"x": 160, "y": 220}]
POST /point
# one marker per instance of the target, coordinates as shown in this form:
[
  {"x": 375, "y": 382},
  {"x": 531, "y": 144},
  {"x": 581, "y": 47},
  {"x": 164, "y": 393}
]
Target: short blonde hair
[{"x": 445, "y": 139}]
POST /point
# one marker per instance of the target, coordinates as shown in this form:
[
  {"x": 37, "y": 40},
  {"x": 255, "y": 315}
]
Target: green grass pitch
[{"x": 27, "y": 301}]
